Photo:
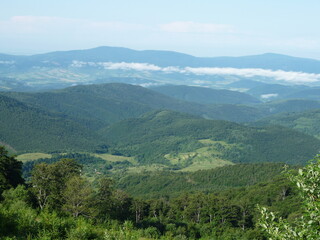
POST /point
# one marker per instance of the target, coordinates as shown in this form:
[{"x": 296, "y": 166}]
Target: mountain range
[
  {"x": 58, "y": 70},
  {"x": 137, "y": 122}
]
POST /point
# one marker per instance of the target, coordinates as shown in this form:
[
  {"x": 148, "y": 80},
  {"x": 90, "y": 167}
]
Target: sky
[{"x": 204, "y": 28}]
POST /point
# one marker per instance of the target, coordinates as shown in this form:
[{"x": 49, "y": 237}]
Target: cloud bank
[{"x": 290, "y": 77}]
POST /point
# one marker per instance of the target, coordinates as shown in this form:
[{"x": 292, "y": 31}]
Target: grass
[
  {"x": 146, "y": 168},
  {"x": 207, "y": 157},
  {"x": 32, "y": 156},
  {"x": 115, "y": 158}
]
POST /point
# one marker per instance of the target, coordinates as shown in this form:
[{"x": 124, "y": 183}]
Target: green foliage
[
  {"x": 307, "y": 226},
  {"x": 28, "y": 128},
  {"x": 168, "y": 183},
  {"x": 78, "y": 195},
  {"x": 166, "y": 132},
  {"x": 306, "y": 122},
  {"x": 50, "y": 180},
  {"x": 10, "y": 171},
  {"x": 205, "y": 95},
  {"x": 90, "y": 164},
  {"x": 228, "y": 214}
]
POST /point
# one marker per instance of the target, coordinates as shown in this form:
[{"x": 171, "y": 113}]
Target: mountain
[
  {"x": 179, "y": 140},
  {"x": 168, "y": 183},
  {"x": 311, "y": 94},
  {"x": 108, "y": 103},
  {"x": 306, "y": 122},
  {"x": 245, "y": 84},
  {"x": 167, "y": 58},
  {"x": 56, "y": 70},
  {"x": 205, "y": 95},
  {"x": 26, "y": 128},
  {"x": 276, "y": 91},
  {"x": 293, "y": 105}
]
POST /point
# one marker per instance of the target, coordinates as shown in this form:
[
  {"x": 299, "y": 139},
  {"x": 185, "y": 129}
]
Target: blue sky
[{"x": 199, "y": 27}]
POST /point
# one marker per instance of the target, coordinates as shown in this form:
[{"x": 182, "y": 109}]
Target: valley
[{"x": 162, "y": 134}]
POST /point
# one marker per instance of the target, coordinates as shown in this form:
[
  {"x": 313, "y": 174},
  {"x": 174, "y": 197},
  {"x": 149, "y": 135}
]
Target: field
[{"x": 32, "y": 156}]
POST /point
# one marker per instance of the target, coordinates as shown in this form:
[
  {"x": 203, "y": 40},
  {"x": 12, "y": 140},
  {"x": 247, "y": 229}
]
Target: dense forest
[
  {"x": 60, "y": 202},
  {"x": 116, "y": 161}
]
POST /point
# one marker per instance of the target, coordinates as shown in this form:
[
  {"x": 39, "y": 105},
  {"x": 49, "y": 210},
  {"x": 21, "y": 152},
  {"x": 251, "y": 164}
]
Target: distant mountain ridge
[
  {"x": 57, "y": 70},
  {"x": 168, "y": 58}
]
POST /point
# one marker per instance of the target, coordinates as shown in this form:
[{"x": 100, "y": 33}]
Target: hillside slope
[
  {"x": 206, "y": 95},
  {"x": 306, "y": 122},
  {"x": 161, "y": 137},
  {"x": 109, "y": 103},
  {"x": 25, "y": 128}
]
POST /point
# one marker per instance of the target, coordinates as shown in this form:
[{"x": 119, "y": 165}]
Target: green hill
[
  {"x": 25, "y": 128},
  {"x": 206, "y": 95},
  {"x": 161, "y": 137},
  {"x": 306, "y": 122},
  {"x": 291, "y": 105},
  {"x": 168, "y": 183},
  {"x": 312, "y": 94},
  {"x": 108, "y": 103}
]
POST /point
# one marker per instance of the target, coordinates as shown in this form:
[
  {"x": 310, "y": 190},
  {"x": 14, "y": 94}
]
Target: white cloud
[
  {"x": 270, "y": 95},
  {"x": 194, "y": 27},
  {"x": 290, "y": 77},
  {"x": 131, "y": 66},
  {"x": 294, "y": 77},
  {"x": 119, "y": 66},
  {"x": 7, "y": 62}
]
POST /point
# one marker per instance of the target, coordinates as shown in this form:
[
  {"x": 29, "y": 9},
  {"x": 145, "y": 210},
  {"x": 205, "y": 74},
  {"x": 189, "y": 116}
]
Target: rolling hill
[
  {"x": 108, "y": 103},
  {"x": 168, "y": 183},
  {"x": 26, "y": 128},
  {"x": 206, "y": 95},
  {"x": 161, "y": 137},
  {"x": 306, "y": 122}
]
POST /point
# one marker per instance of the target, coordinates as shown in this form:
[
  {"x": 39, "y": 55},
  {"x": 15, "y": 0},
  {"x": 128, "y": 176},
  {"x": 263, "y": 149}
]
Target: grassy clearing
[
  {"x": 115, "y": 158},
  {"x": 32, "y": 156},
  {"x": 146, "y": 168},
  {"x": 205, "y": 165},
  {"x": 207, "y": 157}
]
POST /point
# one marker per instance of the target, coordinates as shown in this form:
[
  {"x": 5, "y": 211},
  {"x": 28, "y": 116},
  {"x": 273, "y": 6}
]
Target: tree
[
  {"x": 49, "y": 181},
  {"x": 103, "y": 198},
  {"x": 308, "y": 225},
  {"x": 78, "y": 196},
  {"x": 10, "y": 171}
]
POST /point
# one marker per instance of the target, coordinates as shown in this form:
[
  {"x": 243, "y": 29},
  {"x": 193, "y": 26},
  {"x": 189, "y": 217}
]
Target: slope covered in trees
[
  {"x": 109, "y": 103},
  {"x": 206, "y": 95},
  {"x": 63, "y": 204},
  {"x": 307, "y": 122},
  {"x": 27, "y": 128},
  {"x": 171, "y": 184},
  {"x": 156, "y": 134}
]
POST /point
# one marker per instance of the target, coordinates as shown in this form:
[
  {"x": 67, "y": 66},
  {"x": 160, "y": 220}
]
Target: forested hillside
[
  {"x": 168, "y": 183},
  {"x": 26, "y": 128},
  {"x": 206, "y": 95},
  {"x": 63, "y": 203},
  {"x": 109, "y": 103},
  {"x": 159, "y": 133},
  {"x": 307, "y": 122}
]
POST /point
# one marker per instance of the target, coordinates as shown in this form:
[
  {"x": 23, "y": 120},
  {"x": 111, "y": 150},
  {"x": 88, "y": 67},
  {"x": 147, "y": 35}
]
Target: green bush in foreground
[{"x": 308, "y": 225}]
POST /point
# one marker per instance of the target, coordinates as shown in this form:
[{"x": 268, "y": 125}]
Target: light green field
[
  {"x": 207, "y": 157},
  {"x": 32, "y": 156},
  {"x": 146, "y": 168},
  {"x": 115, "y": 158}
]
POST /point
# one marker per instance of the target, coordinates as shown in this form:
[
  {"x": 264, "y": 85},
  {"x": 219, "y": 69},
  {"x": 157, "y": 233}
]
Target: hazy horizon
[{"x": 200, "y": 28}]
